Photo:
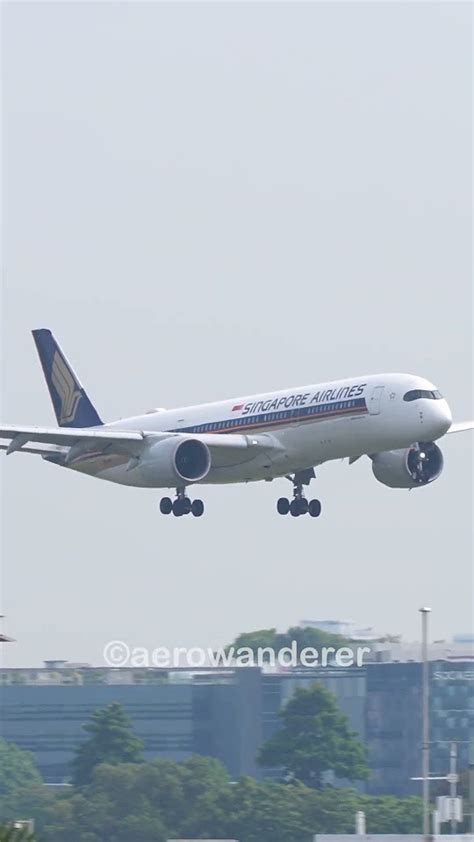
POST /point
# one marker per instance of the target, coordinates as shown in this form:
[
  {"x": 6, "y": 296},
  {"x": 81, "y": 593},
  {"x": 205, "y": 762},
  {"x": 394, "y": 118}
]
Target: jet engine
[
  {"x": 174, "y": 462},
  {"x": 416, "y": 466}
]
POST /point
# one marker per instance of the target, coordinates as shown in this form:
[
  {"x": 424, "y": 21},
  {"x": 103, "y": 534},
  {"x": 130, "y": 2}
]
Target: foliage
[
  {"x": 315, "y": 739},
  {"x": 12, "y": 834},
  {"x": 17, "y": 767},
  {"x": 111, "y": 741},
  {"x": 305, "y": 637},
  {"x": 153, "y": 802}
]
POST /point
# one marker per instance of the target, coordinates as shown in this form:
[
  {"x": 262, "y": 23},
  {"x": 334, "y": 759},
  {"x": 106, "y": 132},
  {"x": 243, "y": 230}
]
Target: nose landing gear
[
  {"x": 182, "y": 505},
  {"x": 299, "y": 505}
]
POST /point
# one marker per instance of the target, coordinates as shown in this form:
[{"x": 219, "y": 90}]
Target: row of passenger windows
[
  {"x": 416, "y": 394},
  {"x": 272, "y": 416}
]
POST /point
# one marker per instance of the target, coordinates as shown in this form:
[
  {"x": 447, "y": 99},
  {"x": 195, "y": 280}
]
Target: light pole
[
  {"x": 471, "y": 784},
  {"x": 453, "y": 753},
  {"x": 425, "y": 748}
]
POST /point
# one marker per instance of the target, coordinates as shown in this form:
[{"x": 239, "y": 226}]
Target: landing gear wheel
[
  {"x": 302, "y": 506},
  {"x": 197, "y": 508},
  {"x": 295, "y": 507},
  {"x": 166, "y": 506},
  {"x": 299, "y": 505},
  {"x": 186, "y": 505},
  {"x": 314, "y": 508},
  {"x": 283, "y": 506},
  {"x": 179, "y": 507}
]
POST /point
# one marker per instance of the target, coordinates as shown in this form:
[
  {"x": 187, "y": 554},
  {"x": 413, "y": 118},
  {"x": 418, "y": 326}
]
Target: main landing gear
[
  {"x": 182, "y": 505},
  {"x": 299, "y": 505}
]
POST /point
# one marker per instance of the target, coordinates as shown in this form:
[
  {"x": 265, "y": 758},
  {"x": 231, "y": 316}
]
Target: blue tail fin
[{"x": 71, "y": 404}]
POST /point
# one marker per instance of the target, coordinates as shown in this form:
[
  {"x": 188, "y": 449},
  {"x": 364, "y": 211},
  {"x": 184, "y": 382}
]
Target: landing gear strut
[
  {"x": 182, "y": 505},
  {"x": 299, "y": 505}
]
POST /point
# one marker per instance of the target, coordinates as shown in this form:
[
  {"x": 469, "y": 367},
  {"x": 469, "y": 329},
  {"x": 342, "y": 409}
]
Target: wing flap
[
  {"x": 66, "y": 437},
  {"x": 39, "y": 450}
]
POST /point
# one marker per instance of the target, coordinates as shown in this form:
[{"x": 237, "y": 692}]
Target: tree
[
  {"x": 111, "y": 741},
  {"x": 305, "y": 636},
  {"x": 315, "y": 738},
  {"x": 153, "y": 802},
  {"x": 17, "y": 768},
  {"x": 12, "y": 834}
]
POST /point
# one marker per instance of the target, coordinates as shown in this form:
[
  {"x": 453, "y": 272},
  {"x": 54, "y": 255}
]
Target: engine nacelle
[
  {"x": 416, "y": 466},
  {"x": 175, "y": 462}
]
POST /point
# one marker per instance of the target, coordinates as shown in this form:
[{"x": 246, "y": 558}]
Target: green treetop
[{"x": 314, "y": 739}]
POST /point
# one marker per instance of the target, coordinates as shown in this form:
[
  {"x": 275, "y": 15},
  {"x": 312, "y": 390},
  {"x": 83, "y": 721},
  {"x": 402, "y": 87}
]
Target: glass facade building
[{"x": 229, "y": 713}]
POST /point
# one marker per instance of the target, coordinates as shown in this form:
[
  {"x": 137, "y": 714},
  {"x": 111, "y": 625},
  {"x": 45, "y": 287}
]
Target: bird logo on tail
[{"x": 65, "y": 386}]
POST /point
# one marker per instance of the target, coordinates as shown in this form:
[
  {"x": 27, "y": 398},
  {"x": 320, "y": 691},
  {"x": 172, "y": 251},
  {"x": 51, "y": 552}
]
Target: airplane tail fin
[{"x": 70, "y": 401}]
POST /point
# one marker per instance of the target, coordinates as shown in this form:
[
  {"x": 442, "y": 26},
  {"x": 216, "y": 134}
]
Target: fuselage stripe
[{"x": 279, "y": 419}]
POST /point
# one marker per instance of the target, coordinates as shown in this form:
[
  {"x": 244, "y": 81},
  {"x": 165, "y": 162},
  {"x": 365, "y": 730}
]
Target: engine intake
[
  {"x": 192, "y": 460},
  {"x": 411, "y": 468},
  {"x": 174, "y": 462}
]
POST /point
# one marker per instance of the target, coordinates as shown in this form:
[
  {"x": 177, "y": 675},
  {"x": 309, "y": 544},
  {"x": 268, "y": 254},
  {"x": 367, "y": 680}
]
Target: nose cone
[{"x": 444, "y": 419}]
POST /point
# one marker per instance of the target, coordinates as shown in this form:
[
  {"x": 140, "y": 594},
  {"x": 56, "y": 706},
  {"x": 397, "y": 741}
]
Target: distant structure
[
  {"x": 439, "y": 650},
  {"x": 345, "y": 628},
  {"x": 387, "y": 648},
  {"x": 227, "y": 713}
]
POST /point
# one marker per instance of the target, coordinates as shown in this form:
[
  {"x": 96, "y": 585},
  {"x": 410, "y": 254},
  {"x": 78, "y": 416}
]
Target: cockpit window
[{"x": 416, "y": 394}]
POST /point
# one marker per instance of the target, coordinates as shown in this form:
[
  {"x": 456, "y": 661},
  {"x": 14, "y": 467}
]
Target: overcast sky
[{"x": 210, "y": 200}]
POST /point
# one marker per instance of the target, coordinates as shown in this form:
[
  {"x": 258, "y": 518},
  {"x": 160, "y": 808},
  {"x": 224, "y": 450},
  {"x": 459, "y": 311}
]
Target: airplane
[{"x": 394, "y": 419}]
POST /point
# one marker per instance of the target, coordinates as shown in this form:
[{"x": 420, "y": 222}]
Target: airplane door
[{"x": 375, "y": 400}]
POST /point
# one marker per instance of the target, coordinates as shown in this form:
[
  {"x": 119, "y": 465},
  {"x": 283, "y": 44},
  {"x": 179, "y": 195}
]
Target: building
[
  {"x": 344, "y": 628},
  {"x": 228, "y": 713},
  {"x": 223, "y": 713},
  {"x": 393, "y": 721}
]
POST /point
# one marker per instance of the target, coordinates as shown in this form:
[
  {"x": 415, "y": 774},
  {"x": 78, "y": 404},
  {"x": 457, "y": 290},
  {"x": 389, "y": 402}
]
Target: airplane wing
[
  {"x": 39, "y": 449},
  {"x": 461, "y": 427},
  {"x": 47, "y": 440},
  {"x": 19, "y": 436},
  {"x": 229, "y": 449}
]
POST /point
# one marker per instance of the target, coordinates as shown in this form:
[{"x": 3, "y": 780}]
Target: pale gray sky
[{"x": 205, "y": 200}]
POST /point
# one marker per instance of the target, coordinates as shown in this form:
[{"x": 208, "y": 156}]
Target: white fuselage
[{"x": 311, "y": 424}]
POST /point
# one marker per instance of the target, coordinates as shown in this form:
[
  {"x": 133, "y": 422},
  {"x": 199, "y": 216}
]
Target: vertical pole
[
  {"x": 425, "y": 749},
  {"x": 471, "y": 784},
  {"x": 360, "y": 823},
  {"x": 452, "y": 781}
]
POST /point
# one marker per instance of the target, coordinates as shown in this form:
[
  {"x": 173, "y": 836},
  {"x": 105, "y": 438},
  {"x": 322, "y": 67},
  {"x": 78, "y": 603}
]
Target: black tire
[
  {"x": 294, "y": 508},
  {"x": 186, "y": 505},
  {"x": 283, "y": 506},
  {"x": 166, "y": 506},
  {"x": 178, "y": 508},
  {"x": 197, "y": 508},
  {"x": 314, "y": 508},
  {"x": 302, "y": 506}
]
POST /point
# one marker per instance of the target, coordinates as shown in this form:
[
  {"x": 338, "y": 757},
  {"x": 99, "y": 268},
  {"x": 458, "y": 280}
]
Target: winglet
[{"x": 70, "y": 401}]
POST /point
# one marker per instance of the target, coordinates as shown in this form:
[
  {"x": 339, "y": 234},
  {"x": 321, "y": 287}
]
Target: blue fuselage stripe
[{"x": 280, "y": 418}]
